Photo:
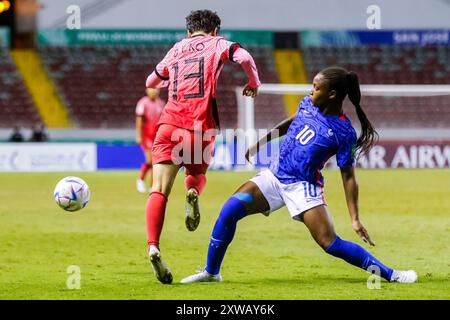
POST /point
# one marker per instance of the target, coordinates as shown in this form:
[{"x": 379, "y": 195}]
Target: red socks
[
  {"x": 156, "y": 208},
  {"x": 197, "y": 182},
  {"x": 144, "y": 169},
  {"x": 155, "y": 211}
]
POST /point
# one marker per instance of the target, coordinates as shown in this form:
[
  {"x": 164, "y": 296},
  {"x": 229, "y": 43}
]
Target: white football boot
[
  {"x": 192, "y": 210},
  {"x": 203, "y": 276},
  {"x": 141, "y": 186},
  {"x": 162, "y": 271},
  {"x": 409, "y": 276}
]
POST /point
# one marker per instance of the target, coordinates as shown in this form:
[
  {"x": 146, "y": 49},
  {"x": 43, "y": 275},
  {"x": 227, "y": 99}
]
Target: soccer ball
[{"x": 72, "y": 194}]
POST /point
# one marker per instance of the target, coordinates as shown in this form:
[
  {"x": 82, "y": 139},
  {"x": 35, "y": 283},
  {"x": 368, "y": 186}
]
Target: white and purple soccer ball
[{"x": 72, "y": 193}]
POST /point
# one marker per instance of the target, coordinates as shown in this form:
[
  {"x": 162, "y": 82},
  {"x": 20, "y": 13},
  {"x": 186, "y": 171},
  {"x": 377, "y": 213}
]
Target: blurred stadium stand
[
  {"x": 16, "y": 105},
  {"x": 102, "y": 84},
  {"x": 392, "y": 65},
  {"x": 100, "y": 80}
]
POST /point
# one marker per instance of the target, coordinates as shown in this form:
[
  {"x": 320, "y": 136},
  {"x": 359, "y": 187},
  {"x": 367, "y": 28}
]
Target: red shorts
[{"x": 191, "y": 149}]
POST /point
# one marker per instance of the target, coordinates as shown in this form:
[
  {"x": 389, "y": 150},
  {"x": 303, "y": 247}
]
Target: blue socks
[
  {"x": 357, "y": 256},
  {"x": 232, "y": 211}
]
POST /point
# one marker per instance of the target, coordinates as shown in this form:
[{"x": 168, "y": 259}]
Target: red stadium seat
[
  {"x": 102, "y": 85},
  {"x": 393, "y": 65},
  {"x": 16, "y": 105}
]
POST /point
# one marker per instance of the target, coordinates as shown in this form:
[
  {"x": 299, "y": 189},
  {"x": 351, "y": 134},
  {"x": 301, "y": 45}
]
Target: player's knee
[
  {"x": 326, "y": 239},
  {"x": 234, "y": 209},
  {"x": 159, "y": 187},
  {"x": 156, "y": 188}
]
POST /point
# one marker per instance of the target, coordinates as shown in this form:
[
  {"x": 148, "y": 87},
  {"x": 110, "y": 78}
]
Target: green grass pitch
[{"x": 407, "y": 213}]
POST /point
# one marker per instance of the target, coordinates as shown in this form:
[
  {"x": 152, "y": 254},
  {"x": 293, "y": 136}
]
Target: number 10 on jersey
[{"x": 305, "y": 135}]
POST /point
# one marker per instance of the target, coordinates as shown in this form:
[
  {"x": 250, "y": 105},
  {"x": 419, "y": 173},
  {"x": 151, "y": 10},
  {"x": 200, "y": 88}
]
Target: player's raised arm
[{"x": 247, "y": 63}]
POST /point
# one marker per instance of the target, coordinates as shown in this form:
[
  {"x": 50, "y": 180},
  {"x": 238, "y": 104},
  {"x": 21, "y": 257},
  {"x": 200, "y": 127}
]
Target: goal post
[
  {"x": 246, "y": 105},
  {"x": 246, "y": 109}
]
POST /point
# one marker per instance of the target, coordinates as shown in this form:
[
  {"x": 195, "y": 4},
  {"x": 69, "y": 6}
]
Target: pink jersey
[
  {"x": 150, "y": 111},
  {"x": 193, "y": 66}
]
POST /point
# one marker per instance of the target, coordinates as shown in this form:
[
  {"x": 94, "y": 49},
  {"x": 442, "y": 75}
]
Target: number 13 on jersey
[{"x": 200, "y": 75}]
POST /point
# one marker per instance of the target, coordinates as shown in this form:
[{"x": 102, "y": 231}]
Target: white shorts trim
[{"x": 297, "y": 197}]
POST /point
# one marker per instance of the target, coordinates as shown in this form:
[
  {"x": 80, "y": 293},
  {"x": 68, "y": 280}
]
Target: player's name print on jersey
[{"x": 190, "y": 47}]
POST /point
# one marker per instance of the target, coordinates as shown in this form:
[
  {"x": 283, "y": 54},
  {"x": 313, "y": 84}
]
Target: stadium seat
[
  {"x": 98, "y": 76},
  {"x": 16, "y": 105},
  {"x": 392, "y": 65}
]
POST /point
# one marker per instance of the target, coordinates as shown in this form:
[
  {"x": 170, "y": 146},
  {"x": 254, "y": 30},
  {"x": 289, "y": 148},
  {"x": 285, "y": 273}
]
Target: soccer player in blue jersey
[{"x": 318, "y": 131}]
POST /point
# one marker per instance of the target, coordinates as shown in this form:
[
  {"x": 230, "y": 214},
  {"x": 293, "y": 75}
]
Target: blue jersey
[{"x": 311, "y": 140}]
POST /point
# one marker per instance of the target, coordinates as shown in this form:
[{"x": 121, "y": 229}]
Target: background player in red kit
[
  {"x": 189, "y": 118},
  {"x": 148, "y": 112}
]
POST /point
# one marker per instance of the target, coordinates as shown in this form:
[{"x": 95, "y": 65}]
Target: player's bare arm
[
  {"x": 278, "y": 131},
  {"x": 138, "y": 130},
  {"x": 351, "y": 194}
]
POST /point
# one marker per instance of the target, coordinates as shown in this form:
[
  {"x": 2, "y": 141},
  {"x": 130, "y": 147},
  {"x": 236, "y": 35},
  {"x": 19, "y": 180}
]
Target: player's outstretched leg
[
  {"x": 360, "y": 257},
  {"x": 195, "y": 185},
  {"x": 232, "y": 211},
  {"x": 319, "y": 223},
  {"x": 247, "y": 200},
  {"x": 156, "y": 206},
  {"x": 155, "y": 213}
]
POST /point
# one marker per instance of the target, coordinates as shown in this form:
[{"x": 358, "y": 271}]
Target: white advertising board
[{"x": 48, "y": 157}]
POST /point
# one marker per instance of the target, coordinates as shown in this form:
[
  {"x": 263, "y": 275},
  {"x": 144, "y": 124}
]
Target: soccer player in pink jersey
[
  {"x": 148, "y": 112},
  {"x": 189, "y": 121}
]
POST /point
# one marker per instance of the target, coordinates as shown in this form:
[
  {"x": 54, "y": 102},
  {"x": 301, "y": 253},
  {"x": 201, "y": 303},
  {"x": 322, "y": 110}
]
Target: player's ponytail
[
  {"x": 368, "y": 136},
  {"x": 347, "y": 83}
]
